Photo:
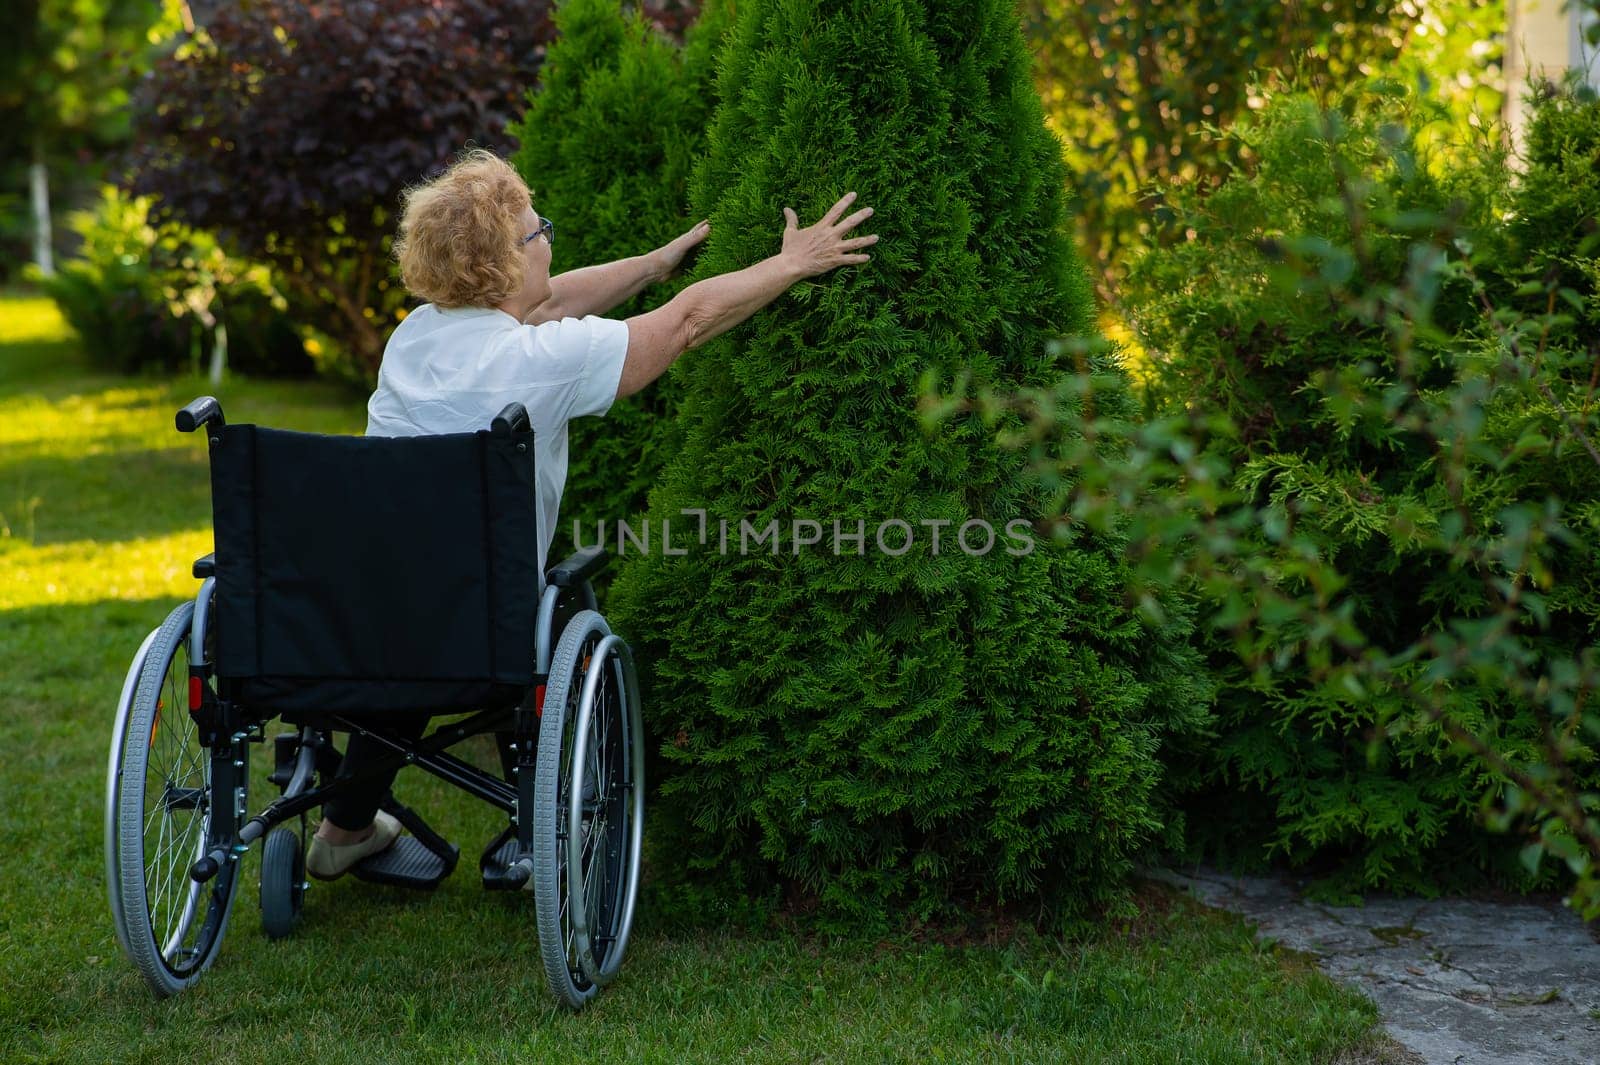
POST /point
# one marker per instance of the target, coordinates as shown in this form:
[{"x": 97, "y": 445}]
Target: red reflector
[
  {"x": 196, "y": 693},
  {"x": 538, "y": 700}
]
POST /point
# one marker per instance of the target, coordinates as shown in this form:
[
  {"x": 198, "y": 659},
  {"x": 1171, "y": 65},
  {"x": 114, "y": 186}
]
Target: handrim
[
  {"x": 586, "y": 642},
  {"x": 609, "y": 760}
]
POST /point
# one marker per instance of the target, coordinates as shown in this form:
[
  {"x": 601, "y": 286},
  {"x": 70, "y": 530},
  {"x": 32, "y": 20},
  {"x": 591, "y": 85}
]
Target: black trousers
[{"x": 354, "y": 809}]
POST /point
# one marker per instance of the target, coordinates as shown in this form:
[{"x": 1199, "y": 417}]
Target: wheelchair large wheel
[
  {"x": 160, "y": 822},
  {"x": 589, "y": 810}
]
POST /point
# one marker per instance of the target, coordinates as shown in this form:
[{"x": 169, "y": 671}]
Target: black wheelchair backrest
[{"x": 374, "y": 573}]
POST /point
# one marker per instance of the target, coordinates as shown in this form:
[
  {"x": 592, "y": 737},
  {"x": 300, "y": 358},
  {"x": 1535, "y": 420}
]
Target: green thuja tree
[
  {"x": 608, "y": 142},
  {"x": 879, "y": 727}
]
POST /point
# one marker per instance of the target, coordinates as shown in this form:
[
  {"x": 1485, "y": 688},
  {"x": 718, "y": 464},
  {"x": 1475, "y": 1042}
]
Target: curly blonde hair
[{"x": 460, "y": 241}]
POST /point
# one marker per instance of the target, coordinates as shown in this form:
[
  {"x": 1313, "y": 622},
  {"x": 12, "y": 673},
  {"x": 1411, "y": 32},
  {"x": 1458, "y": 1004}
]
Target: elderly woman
[{"x": 497, "y": 328}]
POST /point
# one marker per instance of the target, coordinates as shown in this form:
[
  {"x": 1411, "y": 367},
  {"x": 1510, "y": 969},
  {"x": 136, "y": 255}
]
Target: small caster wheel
[{"x": 283, "y": 882}]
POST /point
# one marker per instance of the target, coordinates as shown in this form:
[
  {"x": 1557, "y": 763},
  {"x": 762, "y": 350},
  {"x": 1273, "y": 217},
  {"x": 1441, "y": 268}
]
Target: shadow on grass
[
  {"x": 38, "y": 362},
  {"x": 121, "y": 495},
  {"x": 60, "y": 657}
]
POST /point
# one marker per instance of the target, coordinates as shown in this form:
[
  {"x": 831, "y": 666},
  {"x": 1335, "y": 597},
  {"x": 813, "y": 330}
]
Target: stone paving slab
[{"x": 1458, "y": 981}]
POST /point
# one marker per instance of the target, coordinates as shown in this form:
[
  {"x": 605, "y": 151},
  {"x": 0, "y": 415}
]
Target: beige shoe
[{"x": 329, "y": 861}]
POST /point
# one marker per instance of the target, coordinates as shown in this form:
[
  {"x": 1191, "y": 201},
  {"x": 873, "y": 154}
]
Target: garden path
[{"x": 1458, "y": 981}]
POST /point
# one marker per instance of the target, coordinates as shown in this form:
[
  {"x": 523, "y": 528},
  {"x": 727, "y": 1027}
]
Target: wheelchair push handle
[
  {"x": 513, "y": 418},
  {"x": 203, "y": 411}
]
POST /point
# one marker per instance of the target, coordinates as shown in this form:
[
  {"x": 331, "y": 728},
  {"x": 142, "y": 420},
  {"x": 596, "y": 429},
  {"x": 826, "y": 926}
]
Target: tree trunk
[
  {"x": 219, "y": 352},
  {"x": 318, "y": 281},
  {"x": 39, "y": 186}
]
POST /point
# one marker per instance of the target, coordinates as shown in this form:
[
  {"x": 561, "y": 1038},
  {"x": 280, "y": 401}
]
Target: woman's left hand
[{"x": 669, "y": 256}]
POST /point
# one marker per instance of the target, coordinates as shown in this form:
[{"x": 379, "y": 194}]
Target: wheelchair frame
[{"x": 582, "y": 940}]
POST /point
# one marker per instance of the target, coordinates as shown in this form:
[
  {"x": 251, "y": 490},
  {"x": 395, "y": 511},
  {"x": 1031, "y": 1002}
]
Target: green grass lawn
[{"x": 102, "y": 508}]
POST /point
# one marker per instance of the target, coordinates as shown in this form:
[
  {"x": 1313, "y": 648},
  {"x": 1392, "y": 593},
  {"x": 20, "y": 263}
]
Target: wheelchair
[{"x": 359, "y": 583}]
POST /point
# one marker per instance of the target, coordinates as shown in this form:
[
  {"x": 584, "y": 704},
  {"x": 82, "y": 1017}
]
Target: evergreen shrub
[
  {"x": 144, "y": 296},
  {"x": 871, "y": 736},
  {"x": 1392, "y": 351},
  {"x": 609, "y": 139}
]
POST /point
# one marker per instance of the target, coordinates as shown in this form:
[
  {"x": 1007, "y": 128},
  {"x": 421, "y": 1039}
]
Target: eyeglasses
[{"x": 547, "y": 230}]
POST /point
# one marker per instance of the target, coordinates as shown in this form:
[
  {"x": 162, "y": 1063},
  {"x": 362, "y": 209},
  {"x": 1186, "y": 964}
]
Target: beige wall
[{"x": 1541, "y": 38}]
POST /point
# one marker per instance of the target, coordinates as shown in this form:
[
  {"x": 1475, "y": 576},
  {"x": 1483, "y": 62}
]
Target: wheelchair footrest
[
  {"x": 496, "y": 865},
  {"x": 409, "y": 864}
]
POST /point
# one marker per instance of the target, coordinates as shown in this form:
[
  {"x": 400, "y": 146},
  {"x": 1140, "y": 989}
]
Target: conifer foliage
[
  {"x": 1403, "y": 339},
  {"x": 883, "y": 731},
  {"x": 607, "y": 146}
]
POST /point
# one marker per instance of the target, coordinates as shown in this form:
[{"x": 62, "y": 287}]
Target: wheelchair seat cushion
[{"x": 374, "y": 573}]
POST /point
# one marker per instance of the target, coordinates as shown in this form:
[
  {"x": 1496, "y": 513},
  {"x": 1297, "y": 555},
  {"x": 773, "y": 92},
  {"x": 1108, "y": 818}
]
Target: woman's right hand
[{"x": 819, "y": 248}]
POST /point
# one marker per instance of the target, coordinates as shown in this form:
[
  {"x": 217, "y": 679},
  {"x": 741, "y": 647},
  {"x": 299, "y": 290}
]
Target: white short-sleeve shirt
[{"x": 453, "y": 370}]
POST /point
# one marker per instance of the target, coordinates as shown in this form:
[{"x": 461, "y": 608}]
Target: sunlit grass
[
  {"x": 103, "y": 507},
  {"x": 25, "y": 318},
  {"x": 87, "y": 571},
  {"x": 92, "y": 464},
  {"x": 88, "y": 423}
]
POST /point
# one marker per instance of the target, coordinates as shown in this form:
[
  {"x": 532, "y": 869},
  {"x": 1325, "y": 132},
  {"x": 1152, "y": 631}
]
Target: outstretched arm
[
  {"x": 597, "y": 289},
  {"x": 711, "y": 307}
]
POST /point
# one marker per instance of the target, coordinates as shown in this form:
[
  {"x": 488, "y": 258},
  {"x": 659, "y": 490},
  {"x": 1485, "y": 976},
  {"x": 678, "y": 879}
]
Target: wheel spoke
[
  {"x": 182, "y": 855},
  {"x": 568, "y": 934},
  {"x": 176, "y": 713},
  {"x": 193, "y": 754},
  {"x": 161, "y": 835},
  {"x": 588, "y": 849},
  {"x": 169, "y": 862}
]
